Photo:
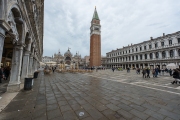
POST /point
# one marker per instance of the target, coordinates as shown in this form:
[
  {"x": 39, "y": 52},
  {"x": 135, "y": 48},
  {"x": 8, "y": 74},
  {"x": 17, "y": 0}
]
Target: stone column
[
  {"x": 148, "y": 65},
  {"x": 36, "y": 65},
  {"x": 153, "y": 55},
  {"x": 167, "y": 54},
  {"x": 160, "y": 65},
  {"x": 175, "y": 53},
  {"x": 14, "y": 83},
  {"x": 143, "y": 56},
  {"x": 30, "y": 66},
  {"x": 148, "y": 56},
  {"x": 2, "y": 37},
  {"x": 25, "y": 66},
  {"x": 33, "y": 66},
  {"x": 160, "y": 55}
]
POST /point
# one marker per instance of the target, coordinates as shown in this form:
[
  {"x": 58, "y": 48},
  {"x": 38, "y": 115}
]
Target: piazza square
[{"x": 89, "y": 60}]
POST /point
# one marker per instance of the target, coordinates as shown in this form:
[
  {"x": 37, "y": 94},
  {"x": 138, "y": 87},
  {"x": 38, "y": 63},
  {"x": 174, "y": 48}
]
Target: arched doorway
[{"x": 68, "y": 60}]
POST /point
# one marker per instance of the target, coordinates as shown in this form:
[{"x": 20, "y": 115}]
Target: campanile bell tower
[{"x": 95, "y": 41}]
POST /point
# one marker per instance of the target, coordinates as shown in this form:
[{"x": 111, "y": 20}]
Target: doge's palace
[{"x": 21, "y": 38}]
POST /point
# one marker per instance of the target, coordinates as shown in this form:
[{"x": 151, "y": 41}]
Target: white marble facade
[
  {"x": 152, "y": 53},
  {"x": 21, "y": 38},
  {"x": 68, "y": 58}
]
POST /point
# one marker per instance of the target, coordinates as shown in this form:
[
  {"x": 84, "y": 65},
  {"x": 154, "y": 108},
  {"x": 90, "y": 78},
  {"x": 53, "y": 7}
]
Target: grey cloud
[
  {"x": 123, "y": 22},
  {"x": 153, "y": 24}
]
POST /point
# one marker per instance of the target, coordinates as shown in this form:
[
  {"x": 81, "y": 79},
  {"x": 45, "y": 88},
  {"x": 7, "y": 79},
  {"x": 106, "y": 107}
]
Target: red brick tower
[{"x": 95, "y": 41}]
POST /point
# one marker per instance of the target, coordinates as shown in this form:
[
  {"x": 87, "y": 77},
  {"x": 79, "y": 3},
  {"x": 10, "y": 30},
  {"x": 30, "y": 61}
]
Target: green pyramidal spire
[{"x": 95, "y": 16}]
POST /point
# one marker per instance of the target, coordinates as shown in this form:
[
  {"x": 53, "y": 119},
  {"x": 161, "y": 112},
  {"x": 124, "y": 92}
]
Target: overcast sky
[{"x": 67, "y": 23}]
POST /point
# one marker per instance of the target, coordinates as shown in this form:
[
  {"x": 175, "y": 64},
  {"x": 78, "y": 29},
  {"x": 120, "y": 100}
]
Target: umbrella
[{"x": 172, "y": 66}]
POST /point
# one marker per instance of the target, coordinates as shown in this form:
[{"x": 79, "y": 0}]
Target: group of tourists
[
  {"x": 155, "y": 72},
  {"x": 4, "y": 73},
  {"x": 50, "y": 68},
  {"x": 145, "y": 72}
]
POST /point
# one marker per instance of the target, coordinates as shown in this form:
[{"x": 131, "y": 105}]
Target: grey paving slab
[
  {"x": 53, "y": 114},
  {"x": 153, "y": 114},
  {"x": 125, "y": 114},
  {"x": 139, "y": 114},
  {"x": 113, "y": 107},
  {"x": 100, "y": 95}
]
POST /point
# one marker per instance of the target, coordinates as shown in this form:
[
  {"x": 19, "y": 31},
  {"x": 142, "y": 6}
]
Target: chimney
[
  {"x": 163, "y": 34},
  {"x": 151, "y": 38},
  {"x": 131, "y": 44}
]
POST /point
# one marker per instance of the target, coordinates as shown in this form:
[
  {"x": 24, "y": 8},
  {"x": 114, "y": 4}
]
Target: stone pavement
[{"x": 101, "y": 95}]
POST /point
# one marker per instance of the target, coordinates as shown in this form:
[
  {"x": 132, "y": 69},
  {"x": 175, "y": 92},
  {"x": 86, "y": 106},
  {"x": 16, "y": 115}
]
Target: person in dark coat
[
  {"x": 156, "y": 72},
  {"x": 170, "y": 72},
  {"x": 144, "y": 73},
  {"x": 175, "y": 76},
  {"x": 1, "y": 74},
  {"x": 148, "y": 72},
  {"x": 113, "y": 69},
  {"x": 6, "y": 72}
]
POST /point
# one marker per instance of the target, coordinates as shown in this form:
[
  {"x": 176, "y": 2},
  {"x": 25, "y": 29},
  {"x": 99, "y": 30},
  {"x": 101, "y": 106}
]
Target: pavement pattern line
[
  {"x": 138, "y": 85},
  {"x": 156, "y": 84},
  {"x": 153, "y": 83}
]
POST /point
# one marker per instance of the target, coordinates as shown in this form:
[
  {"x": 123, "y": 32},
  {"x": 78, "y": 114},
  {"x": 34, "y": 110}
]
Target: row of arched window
[
  {"x": 140, "y": 57},
  {"x": 142, "y": 47}
]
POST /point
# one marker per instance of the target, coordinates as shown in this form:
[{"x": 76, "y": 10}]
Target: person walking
[
  {"x": 1, "y": 74},
  {"x": 148, "y": 72},
  {"x": 162, "y": 71},
  {"x": 170, "y": 72},
  {"x": 136, "y": 70},
  {"x": 6, "y": 72},
  {"x": 153, "y": 72},
  {"x": 113, "y": 69},
  {"x": 156, "y": 72},
  {"x": 175, "y": 76},
  {"x": 128, "y": 69},
  {"x": 144, "y": 73}
]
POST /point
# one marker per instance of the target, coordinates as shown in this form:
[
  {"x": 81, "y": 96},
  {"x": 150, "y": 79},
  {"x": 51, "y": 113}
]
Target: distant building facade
[
  {"x": 95, "y": 41},
  {"x": 87, "y": 59},
  {"x": 68, "y": 58},
  {"x": 152, "y": 53},
  {"x": 104, "y": 61},
  {"x": 47, "y": 59}
]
